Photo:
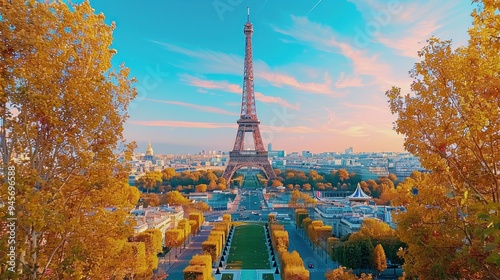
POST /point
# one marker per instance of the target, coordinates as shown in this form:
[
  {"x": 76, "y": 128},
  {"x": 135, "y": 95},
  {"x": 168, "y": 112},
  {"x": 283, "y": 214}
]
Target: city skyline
[{"x": 321, "y": 69}]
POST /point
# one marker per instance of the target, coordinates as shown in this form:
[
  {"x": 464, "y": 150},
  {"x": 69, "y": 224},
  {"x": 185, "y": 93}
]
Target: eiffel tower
[{"x": 248, "y": 122}]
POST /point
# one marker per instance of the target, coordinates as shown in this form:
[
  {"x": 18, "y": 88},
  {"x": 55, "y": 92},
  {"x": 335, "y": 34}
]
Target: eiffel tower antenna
[{"x": 248, "y": 122}]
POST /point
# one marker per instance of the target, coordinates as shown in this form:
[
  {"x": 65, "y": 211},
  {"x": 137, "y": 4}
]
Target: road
[
  {"x": 299, "y": 244},
  {"x": 252, "y": 200},
  {"x": 174, "y": 270}
]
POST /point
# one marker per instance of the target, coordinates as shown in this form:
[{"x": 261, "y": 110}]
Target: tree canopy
[
  {"x": 450, "y": 120},
  {"x": 62, "y": 110}
]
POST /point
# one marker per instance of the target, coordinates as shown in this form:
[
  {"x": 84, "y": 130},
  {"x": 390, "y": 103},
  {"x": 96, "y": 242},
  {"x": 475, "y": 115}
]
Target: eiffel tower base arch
[{"x": 241, "y": 159}]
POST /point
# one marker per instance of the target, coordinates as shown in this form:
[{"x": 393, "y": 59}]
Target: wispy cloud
[
  {"x": 322, "y": 37},
  {"x": 351, "y": 81},
  {"x": 209, "y": 109},
  {"x": 405, "y": 26},
  {"x": 365, "y": 107},
  {"x": 185, "y": 124},
  {"x": 205, "y": 60},
  {"x": 215, "y": 62},
  {"x": 233, "y": 88},
  {"x": 280, "y": 80}
]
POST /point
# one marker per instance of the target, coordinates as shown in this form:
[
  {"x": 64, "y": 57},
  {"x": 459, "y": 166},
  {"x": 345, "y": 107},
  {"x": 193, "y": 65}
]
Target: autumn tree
[
  {"x": 293, "y": 266},
  {"x": 379, "y": 260},
  {"x": 150, "y": 181},
  {"x": 176, "y": 198},
  {"x": 450, "y": 120},
  {"x": 201, "y": 188},
  {"x": 343, "y": 274},
  {"x": 62, "y": 110},
  {"x": 212, "y": 185},
  {"x": 300, "y": 215}
]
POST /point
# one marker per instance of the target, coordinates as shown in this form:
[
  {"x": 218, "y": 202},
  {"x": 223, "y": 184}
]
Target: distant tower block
[{"x": 248, "y": 123}]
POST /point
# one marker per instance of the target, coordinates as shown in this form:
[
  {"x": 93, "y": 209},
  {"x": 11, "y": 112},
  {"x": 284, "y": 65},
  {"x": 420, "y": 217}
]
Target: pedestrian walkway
[{"x": 247, "y": 274}]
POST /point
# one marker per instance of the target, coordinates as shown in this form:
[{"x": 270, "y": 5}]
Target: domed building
[{"x": 149, "y": 153}]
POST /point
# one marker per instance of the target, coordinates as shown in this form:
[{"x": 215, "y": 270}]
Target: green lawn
[
  {"x": 267, "y": 276},
  {"x": 248, "y": 248}
]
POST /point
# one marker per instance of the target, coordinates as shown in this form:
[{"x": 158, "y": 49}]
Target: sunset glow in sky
[{"x": 321, "y": 68}]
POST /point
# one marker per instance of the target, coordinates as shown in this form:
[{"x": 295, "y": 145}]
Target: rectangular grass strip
[{"x": 248, "y": 248}]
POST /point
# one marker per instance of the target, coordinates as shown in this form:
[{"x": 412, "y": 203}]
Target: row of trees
[
  {"x": 180, "y": 234},
  {"x": 173, "y": 198},
  {"x": 199, "y": 268},
  {"x": 361, "y": 249},
  {"x": 217, "y": 239},
  {"x": 382, "y": 189},
  {"x": 297, "y": 198},
  {"x": 189, "y": 181},
  {"x": 368, "y": 248},
  {"x": 147, "y": 245},
  {"x": 292, "y": 265}
]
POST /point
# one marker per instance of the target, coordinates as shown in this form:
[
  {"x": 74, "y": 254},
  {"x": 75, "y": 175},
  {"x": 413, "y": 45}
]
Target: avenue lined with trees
[{"x": 62, "y": 111}]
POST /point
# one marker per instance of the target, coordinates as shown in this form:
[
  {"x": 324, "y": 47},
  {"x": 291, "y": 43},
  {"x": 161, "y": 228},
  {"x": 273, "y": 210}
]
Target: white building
[
  {"x": 346, "y": 215},
  {"x": 162, "y": 218}
]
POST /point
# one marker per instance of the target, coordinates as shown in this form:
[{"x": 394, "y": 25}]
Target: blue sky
[{"x": 321, "y": 68}]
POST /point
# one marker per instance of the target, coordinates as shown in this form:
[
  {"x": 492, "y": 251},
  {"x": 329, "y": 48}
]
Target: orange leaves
[
  {"x": 293, "y": 266},
  {"x": 451, "y": 122},
  {"x": 201, "y": 266}
]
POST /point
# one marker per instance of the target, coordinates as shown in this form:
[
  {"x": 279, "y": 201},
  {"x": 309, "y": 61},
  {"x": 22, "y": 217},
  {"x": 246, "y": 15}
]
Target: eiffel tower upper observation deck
[{"x": 242, "y": 156}]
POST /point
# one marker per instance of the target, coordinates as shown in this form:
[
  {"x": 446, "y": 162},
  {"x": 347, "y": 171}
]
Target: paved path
[{"x": 177, "y": 265}]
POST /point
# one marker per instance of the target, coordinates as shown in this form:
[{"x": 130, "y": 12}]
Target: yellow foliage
[
  {"x": 194, "y": 272},
  {"x": 202, "y": 260},
  {"x": 281, "y": 240},
  {"x": 71, "y": 191},
  {"x": 194, "y": 226},
  {"x": 226, "y": 217},
  {"x": 137, "y": 261},
  {"x": 157, "y": 239},
  {"x": 148, "y": 238},
  {"x": 450, "y": 120},
  {"x": 342, "y": 273},
  {"x": 223, "y": 226},
  {"x": 375, "y": 229},
  {"x": 220, "y": 237},
  {"x": 296, "y": 273},
  {"x": 211, "y": 248},
  {"x": 176, "y": 198},
  {"x": 185, "y": 226},
  {"x": 174, "y": 237},
  {"x": 379, "y": 259}
]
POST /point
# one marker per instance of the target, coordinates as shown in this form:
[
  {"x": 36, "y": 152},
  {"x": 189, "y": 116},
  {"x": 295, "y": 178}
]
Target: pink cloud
[
  {"x": 209, "y": 109},
  {"x": 323, "y": 38},
  {"x": 226, "y": 86},
  {"x": 215, "y": 62},
  {"x": 279, "y": 80},
  {"x": 186, "y": 124},
  {"x": 405, "y": 27},
  {"x": 351, "y": 81},
  {"x": 366, "y": 107}
]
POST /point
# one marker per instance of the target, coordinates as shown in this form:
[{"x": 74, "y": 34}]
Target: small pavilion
[{"x": 359, "y": 197}]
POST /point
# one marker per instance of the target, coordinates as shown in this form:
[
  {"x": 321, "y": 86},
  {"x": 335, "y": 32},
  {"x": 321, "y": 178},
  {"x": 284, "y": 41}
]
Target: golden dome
[{"x": 149, "y": 150}]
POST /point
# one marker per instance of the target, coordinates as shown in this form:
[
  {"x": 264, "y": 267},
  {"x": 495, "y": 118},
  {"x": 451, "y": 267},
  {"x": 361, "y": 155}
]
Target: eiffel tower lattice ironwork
[{"x": 248, "y": 122}]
